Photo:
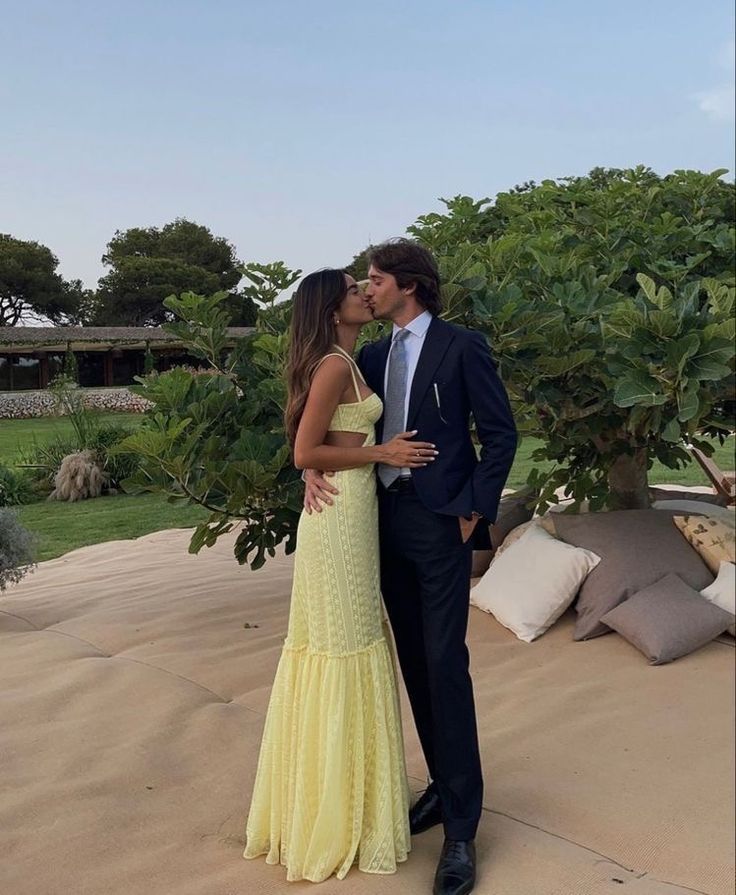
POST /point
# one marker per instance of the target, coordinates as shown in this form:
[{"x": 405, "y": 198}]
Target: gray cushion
[
  {"x": 637, "y": 548},
  {"x": 671, "y": 494},
  {"x": 667, "y": 620}
]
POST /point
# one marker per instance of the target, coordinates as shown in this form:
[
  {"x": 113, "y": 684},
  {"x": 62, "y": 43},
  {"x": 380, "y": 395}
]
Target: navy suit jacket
[{"x": 456, "y": 366}]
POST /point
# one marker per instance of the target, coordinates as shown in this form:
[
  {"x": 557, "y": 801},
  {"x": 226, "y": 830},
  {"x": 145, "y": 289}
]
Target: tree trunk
[{"x": 628, "y": 480}]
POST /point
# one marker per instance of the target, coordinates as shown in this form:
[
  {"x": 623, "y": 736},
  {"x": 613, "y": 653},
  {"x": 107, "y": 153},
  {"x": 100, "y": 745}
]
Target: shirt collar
[{"x": 417, "y": 327}]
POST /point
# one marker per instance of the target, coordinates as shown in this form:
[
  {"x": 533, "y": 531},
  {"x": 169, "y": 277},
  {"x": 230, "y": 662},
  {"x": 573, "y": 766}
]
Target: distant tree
[
  {"x": 241, "y": 309},
  {"x": 358, "y": 267},
  {"x": 30, "y": 287},
  {"x": 181, "y": 240},
  {"x": 148, "y": 264},
  {"x": 85, "y": 304}
]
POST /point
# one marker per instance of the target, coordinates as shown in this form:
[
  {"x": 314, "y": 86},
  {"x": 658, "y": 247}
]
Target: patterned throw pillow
[{"x": 713, "y": 539}]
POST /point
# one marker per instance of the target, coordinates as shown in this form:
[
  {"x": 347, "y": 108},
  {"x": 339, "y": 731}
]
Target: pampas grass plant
[{"x": 79, "y": 477}]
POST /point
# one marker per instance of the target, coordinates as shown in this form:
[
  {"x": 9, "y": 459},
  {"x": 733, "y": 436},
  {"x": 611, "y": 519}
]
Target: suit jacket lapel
[{"x": 436, "y": 342}]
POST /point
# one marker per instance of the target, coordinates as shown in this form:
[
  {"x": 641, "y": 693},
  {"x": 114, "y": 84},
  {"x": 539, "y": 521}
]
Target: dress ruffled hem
[
  {"x": 273, "y": 857},
  {"x": 331, "y": 788}
]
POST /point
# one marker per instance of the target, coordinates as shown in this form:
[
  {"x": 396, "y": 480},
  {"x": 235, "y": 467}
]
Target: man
[{"x": 432, "y": 376}]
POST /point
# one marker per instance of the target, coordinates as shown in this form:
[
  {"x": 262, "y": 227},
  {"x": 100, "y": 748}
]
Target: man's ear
[{"x": 410, "y": 289}]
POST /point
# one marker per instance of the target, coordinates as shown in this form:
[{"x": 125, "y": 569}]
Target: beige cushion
[
  {"x": 667, "y": 620},
  {"x": 723, "y": 591},
  {"x": 529, "y": 587},
  {"x": 637, "y": 548},
  {"x": 712, "y": 538},
  {"x": 513, "y": 536}
]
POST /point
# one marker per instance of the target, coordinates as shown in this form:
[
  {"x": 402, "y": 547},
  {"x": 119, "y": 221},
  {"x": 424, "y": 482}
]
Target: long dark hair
[
  {"x": 311, "y": 337},
  {"x": 409, "y": 262}
]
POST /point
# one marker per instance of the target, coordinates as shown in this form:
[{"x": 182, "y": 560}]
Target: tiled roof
[{"x": 37, "y": 336}]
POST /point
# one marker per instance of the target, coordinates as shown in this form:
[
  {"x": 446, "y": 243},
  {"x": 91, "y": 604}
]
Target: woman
[{"x": 331, "y": 785}]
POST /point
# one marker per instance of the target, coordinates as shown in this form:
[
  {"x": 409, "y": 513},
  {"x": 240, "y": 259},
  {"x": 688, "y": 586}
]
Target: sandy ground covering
[{"x": 134, "y": 683}]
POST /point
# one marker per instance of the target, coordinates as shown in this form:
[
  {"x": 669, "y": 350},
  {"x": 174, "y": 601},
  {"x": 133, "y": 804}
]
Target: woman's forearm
[{"x": 327, "y": 456}]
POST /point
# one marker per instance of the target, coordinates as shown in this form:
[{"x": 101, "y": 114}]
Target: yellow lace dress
[{"x": 331, "y": 787}]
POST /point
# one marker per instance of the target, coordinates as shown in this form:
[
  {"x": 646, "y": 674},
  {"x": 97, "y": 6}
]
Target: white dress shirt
[{"x": 413, "y": 343}]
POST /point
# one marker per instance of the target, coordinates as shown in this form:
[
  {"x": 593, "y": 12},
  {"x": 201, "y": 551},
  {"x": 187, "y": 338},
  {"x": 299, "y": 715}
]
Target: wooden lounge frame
[{"x": 723, "y": 482}]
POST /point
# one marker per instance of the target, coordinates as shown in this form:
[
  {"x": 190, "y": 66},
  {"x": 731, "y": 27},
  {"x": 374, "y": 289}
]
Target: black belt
[{"x": 402, "y": 485}]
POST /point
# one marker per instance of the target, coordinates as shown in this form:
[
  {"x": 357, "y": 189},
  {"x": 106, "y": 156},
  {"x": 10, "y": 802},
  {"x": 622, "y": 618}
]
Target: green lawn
[
  {"x": 62, "y": 527},
  {"x": 690, "y": 475},
  {"x": 15, "y": 434},
  {"x": 65, "y": 526}
]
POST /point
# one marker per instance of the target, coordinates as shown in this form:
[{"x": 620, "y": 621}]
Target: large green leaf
[
  {"x": 638, "y": 387},
  {"x": 661, "y": 297},
  {"x": 648, "y": 286},
  {"x": 711, "y": 361},
  {"x": 678, "y": 352},
  {"x": 688, "y": 403},
  {"x": 672, "y": 431},
  {"x": 557, "y": 366},
  {"x": 255, "y": 446},
  {"x": 726, "y": 329},
  {"x": 721, "y": 296},
  {"x": 663, "y": 323}
]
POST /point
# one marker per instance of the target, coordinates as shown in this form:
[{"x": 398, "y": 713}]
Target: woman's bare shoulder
[{"x": 333, "y": 369}]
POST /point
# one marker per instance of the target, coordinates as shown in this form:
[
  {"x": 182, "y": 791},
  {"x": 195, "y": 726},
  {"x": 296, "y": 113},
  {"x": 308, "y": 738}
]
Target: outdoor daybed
[{"x": 135, "y": 680}]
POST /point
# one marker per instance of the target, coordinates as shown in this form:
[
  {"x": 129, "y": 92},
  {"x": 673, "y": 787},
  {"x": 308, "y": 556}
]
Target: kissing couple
[{"x": 391, "y": 527}]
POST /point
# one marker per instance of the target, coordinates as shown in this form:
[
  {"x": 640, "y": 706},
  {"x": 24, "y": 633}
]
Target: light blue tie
[{"x": 393, "y": 409}]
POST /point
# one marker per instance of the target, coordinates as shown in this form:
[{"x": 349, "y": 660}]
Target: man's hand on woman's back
[{"x": 317, "y": 490}]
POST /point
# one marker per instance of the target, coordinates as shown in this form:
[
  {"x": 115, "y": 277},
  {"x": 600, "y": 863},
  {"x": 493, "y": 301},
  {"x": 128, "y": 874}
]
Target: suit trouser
[{"x": 425, "y": 575}]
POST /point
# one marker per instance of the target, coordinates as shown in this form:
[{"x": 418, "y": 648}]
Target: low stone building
[
  {"x": 30, "y": 356},
  {"x": 107, "y": 358}
]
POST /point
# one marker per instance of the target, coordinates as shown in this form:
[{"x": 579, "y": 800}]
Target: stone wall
[{"x": 22, "y": 405}]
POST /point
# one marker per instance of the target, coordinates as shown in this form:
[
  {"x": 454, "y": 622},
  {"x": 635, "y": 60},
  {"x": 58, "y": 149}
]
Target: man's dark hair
[{"x": 409, "y": 262}]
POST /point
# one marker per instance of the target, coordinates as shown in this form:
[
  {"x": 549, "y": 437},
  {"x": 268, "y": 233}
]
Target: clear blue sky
[{"x": 303, "y": 130}]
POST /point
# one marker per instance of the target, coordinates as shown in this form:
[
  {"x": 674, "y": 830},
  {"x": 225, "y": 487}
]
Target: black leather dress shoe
[
  {"x": 456, "y": 869},
  {"x": 426, "y": 813}
]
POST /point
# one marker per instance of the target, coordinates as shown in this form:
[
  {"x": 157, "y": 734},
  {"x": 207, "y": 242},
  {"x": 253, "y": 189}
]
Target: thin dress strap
[{"x": 350, "y": 362}]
